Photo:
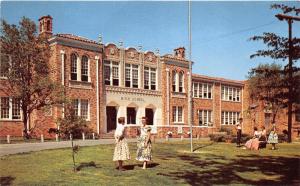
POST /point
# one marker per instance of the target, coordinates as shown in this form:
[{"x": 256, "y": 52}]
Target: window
[
  {"x": 230, "y": 94},
  {"x": 174, "y": 81},
  {"x": 205, "y": 118},
  {"x": 153, "y": 78},
  {"x": 84, "y": 68},
  {"x": 177, "y": 114},
  {"x": 4, "y": 66},
  {"x": 181, "y": 82},
  {"x": 146, "y": 78},
  {"x": 150, "y": 83},
  {"x": 73, "y": 67},
  {"x": 16, "y": 112},
  {"x": 131, "y": 75},
  {"x": 131, "y": 115},
  {"x": 195, "y": 90},
  {"x": 111, "y": 73},
  {"x": 202, "y": 90},
  {"x": 10, "y": 108},
  {"x": 115, "y": 73},
  {"x": 229, "y": 118},
  {"x": 135, "y": 76},
  {"x": 81, "y": 108},
  {"x": 5, "y": 108},
  {"x": 297, "y": 115},
  {"x": 107, "y": 72},
  {"x": 127, "y": 75},
  {"x": 84, "y": 108}
]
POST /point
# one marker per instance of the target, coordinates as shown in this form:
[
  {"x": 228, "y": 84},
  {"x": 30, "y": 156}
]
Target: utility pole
[
  {"x": 289, "y": 19},
  {"x": 190, "y": 114}
]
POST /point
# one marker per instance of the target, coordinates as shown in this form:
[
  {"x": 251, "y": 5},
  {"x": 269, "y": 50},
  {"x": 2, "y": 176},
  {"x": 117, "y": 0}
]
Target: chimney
[
  {"x": 45, "y": 25},
  {"x": 179, "y": 52}
]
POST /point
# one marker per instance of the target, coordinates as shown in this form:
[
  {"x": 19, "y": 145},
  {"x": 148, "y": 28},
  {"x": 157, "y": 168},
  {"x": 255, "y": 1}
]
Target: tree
[
  {"x": 72, "y": 126},
  {"x": 282, "y": 49},
  {"x": 25, "y": 58},
  {"x": 265, "y": 84}
]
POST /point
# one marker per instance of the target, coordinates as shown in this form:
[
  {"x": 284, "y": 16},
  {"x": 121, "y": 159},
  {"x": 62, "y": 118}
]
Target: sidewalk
[{"x": 7, "y": 149}]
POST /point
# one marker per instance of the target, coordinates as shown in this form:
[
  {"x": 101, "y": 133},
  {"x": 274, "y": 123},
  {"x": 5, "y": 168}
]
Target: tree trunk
[{"x": 25, "y": 121}]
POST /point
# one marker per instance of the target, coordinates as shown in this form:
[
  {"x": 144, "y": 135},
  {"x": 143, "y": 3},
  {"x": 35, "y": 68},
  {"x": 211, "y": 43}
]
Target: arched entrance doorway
[{"x": 111, "y": 116}]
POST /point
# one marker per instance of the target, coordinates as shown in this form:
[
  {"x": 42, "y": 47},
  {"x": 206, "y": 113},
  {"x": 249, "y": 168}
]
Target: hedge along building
[{"x": 105, "y": 82}]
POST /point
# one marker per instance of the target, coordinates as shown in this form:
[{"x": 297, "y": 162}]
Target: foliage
[
  {"x": 73, "y": 126},
  {"x": 25, "y": 59},
  {"x": 280, "y": 87}
]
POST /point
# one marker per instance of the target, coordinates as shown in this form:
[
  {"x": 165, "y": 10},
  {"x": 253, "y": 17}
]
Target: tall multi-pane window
[
  {"x": 111, "y": 73},
  {"x": 16, "y": 112},
  {"x": 84, "y": 68},
  {"x": 195, "y": 89},
  {"x": 127, "y": 75},
  {"x": 131, "y": 75},
  {"x": 230, "y": 93},
  {"x": 146, "y": 78},
  {"x": 81, "y": 108},
  {"x": 5, "y": 108},
  {"x": 173, "y": 81},
  {"x": 202, "y": 90},
  {"x": 75, "y": 104},
  {"x": 107, "y": 73},
  {"x": 229, "y": 118},
  {"x": 181, "y": 82},
  {"x": 205, "y": 118},
  {"x": 149, "y": 78},
  {"x": 135, "y": 76},
  {"x": 84, "y": 108},
  {"x": 115, "y": 73},
  {"x": 153, "y": 78},
  {"x": 10, "y": 108},
  {"x": 73, "y": 67},
  {"x": 177, "y": 114},
  {"x": 4, "y": 66}
]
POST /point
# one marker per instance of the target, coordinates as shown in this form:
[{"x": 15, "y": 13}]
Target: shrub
[{"x": 217, "y": 137}]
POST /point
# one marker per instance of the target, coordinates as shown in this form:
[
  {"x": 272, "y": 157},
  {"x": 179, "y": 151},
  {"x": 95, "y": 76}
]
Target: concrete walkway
[{"x": 7, "y": 149}]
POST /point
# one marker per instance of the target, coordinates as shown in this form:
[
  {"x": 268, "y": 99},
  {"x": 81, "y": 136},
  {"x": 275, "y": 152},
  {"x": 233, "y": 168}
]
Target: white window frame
[
  {"x": 111, "y": 65},
  {"x": 148, "y": 76},
  {"x": 79, "y": 108},
  {"x": 130, "y": 67},
  {"x": 230, "y": 117},
  {"x": 205, "y": 115},
  {"x": 230, "y": 91},
  {"x": 202, "y": 88},
  {"x": 176, "y": 112},
  {"x": 10, "y": 110}
]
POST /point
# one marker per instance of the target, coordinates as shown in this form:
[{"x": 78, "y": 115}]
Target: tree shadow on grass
[
  {"x": 269, "y": 170},
  {"x": 6, "y": 180},
  {"x": 203, "y": 146},
  {"x": 87, "y": 164}
]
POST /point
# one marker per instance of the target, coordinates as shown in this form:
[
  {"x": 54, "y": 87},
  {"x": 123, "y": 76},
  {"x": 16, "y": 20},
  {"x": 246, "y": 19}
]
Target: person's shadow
[{"x": 132, "y": 167}]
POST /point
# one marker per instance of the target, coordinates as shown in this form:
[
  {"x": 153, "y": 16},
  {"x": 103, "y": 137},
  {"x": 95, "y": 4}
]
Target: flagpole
[{"x": 190, "y": 79}]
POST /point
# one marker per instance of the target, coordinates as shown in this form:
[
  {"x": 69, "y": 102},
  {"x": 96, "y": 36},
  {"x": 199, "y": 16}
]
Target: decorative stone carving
[
  {"x": 150, "y": 58},
  {"x": 131, "y": 54},
  {"x": 112, "y": 51}
]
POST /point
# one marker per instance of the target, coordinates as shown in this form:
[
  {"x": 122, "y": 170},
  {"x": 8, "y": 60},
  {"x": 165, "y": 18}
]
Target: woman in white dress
[{"x": 121, "y": 152}]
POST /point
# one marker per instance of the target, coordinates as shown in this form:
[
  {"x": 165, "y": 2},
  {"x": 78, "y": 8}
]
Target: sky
[{"x": 220, "y": 30}]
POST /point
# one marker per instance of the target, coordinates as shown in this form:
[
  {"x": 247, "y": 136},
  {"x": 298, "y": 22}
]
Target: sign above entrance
[{"x": 132, "y": 99}]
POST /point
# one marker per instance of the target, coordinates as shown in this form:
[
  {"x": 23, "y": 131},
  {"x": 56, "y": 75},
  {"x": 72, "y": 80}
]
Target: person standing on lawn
[
  {"x": 144, "y": 144},
  {"x": 273, "y": 137},
  {"x": 239, "y": 132},
  {"x": 121, "y": 152}
]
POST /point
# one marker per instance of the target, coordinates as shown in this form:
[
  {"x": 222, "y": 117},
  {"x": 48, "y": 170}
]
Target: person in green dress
[{"x": 144, "y": 144}]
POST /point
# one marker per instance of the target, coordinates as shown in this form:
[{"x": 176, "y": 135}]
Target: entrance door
[
  {"x": 111, "y": 118},
  {"x": 149, "y": 114},
  {"x": 131, "y": 115}
]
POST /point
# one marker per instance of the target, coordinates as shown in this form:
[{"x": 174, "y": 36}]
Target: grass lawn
[{"x": 212, "y": 163}]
